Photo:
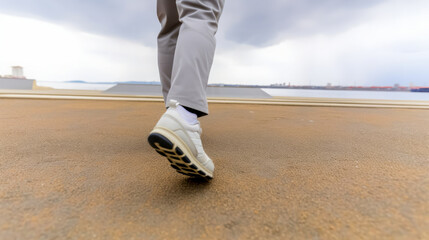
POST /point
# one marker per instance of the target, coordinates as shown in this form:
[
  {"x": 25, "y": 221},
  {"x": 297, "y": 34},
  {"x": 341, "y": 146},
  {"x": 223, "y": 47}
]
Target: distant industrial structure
[
  {"x": 16, "y": 80},
  {"x": 329, "y": 86},
  {"x": 18, "y": 72}
]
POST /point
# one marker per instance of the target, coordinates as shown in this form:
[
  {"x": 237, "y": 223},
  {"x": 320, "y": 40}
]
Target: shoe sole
[{"x": 178, "y": 154}]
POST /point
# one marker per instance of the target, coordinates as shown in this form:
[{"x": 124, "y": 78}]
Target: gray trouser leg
[{"x": 186, "y": 46}]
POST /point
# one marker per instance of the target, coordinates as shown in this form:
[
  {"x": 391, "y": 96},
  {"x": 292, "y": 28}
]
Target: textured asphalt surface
[{"x": 77, "y": 169}]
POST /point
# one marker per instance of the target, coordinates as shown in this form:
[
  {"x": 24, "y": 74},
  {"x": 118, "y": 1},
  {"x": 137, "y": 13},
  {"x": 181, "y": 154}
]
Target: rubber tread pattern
[{"x": 175, "y": 156}]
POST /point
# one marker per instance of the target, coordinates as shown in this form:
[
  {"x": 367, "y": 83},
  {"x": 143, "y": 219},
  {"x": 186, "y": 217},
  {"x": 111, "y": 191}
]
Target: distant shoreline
[{"x": 303, "y": 87}]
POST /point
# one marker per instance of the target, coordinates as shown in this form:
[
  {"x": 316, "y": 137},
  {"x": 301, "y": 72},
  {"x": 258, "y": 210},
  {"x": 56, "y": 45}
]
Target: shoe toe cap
[{"x": 210, "y": 165}]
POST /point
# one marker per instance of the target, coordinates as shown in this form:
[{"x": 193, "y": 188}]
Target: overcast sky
[{"x": 353, "y": 42}]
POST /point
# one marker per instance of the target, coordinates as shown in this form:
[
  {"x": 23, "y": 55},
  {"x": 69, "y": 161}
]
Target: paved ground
[{"x": 82, "y": 169}]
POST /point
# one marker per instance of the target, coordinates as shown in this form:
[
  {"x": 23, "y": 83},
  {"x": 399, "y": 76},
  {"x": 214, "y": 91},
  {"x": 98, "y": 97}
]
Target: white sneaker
[{"x": 180, "y": 142}]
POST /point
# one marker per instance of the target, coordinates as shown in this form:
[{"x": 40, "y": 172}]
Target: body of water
[{"x": 380, "y": 95}]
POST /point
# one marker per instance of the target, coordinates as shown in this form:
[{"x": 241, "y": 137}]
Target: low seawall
[
  {"x": 16, "y": 83},
  {"x": 155, "y": 90}
]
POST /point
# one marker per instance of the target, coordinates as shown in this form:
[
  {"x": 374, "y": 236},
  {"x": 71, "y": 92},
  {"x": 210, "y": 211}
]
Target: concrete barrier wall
[
  {"x": 135, "y": 89},
  {"x": 155, "y": 90},
  {"x": 12, "y": 83}
]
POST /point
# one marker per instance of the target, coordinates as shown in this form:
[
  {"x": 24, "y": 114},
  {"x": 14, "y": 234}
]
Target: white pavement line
[
  {"x": 57, "y": 97},
  {"x": 315, "y": 103},
  {"x": 335, "y": 101}
]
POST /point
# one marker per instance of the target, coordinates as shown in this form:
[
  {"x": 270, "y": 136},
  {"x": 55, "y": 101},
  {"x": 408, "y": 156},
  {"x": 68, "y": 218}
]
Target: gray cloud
[
  {"x": 258, "y": 22},
  {"x": 253, "y": 22},
  {"x": 134, "y": 20}
]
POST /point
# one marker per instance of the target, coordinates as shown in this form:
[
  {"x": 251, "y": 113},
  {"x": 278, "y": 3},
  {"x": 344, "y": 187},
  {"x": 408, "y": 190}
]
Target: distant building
[
  {"x": 17, "y": 72},
  {"x": 16, "y": 80}
]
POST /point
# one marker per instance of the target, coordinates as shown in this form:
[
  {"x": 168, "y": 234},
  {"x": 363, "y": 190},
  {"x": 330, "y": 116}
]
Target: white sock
[{"x": 190, "y": 118}]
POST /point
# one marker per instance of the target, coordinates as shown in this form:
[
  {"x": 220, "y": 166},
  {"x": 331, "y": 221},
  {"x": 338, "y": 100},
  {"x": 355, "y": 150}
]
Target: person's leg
[
  {"x": 194, "y": 52},
  {"x": 167, "y": 38},
  {"x": 177, "y": 135}
]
